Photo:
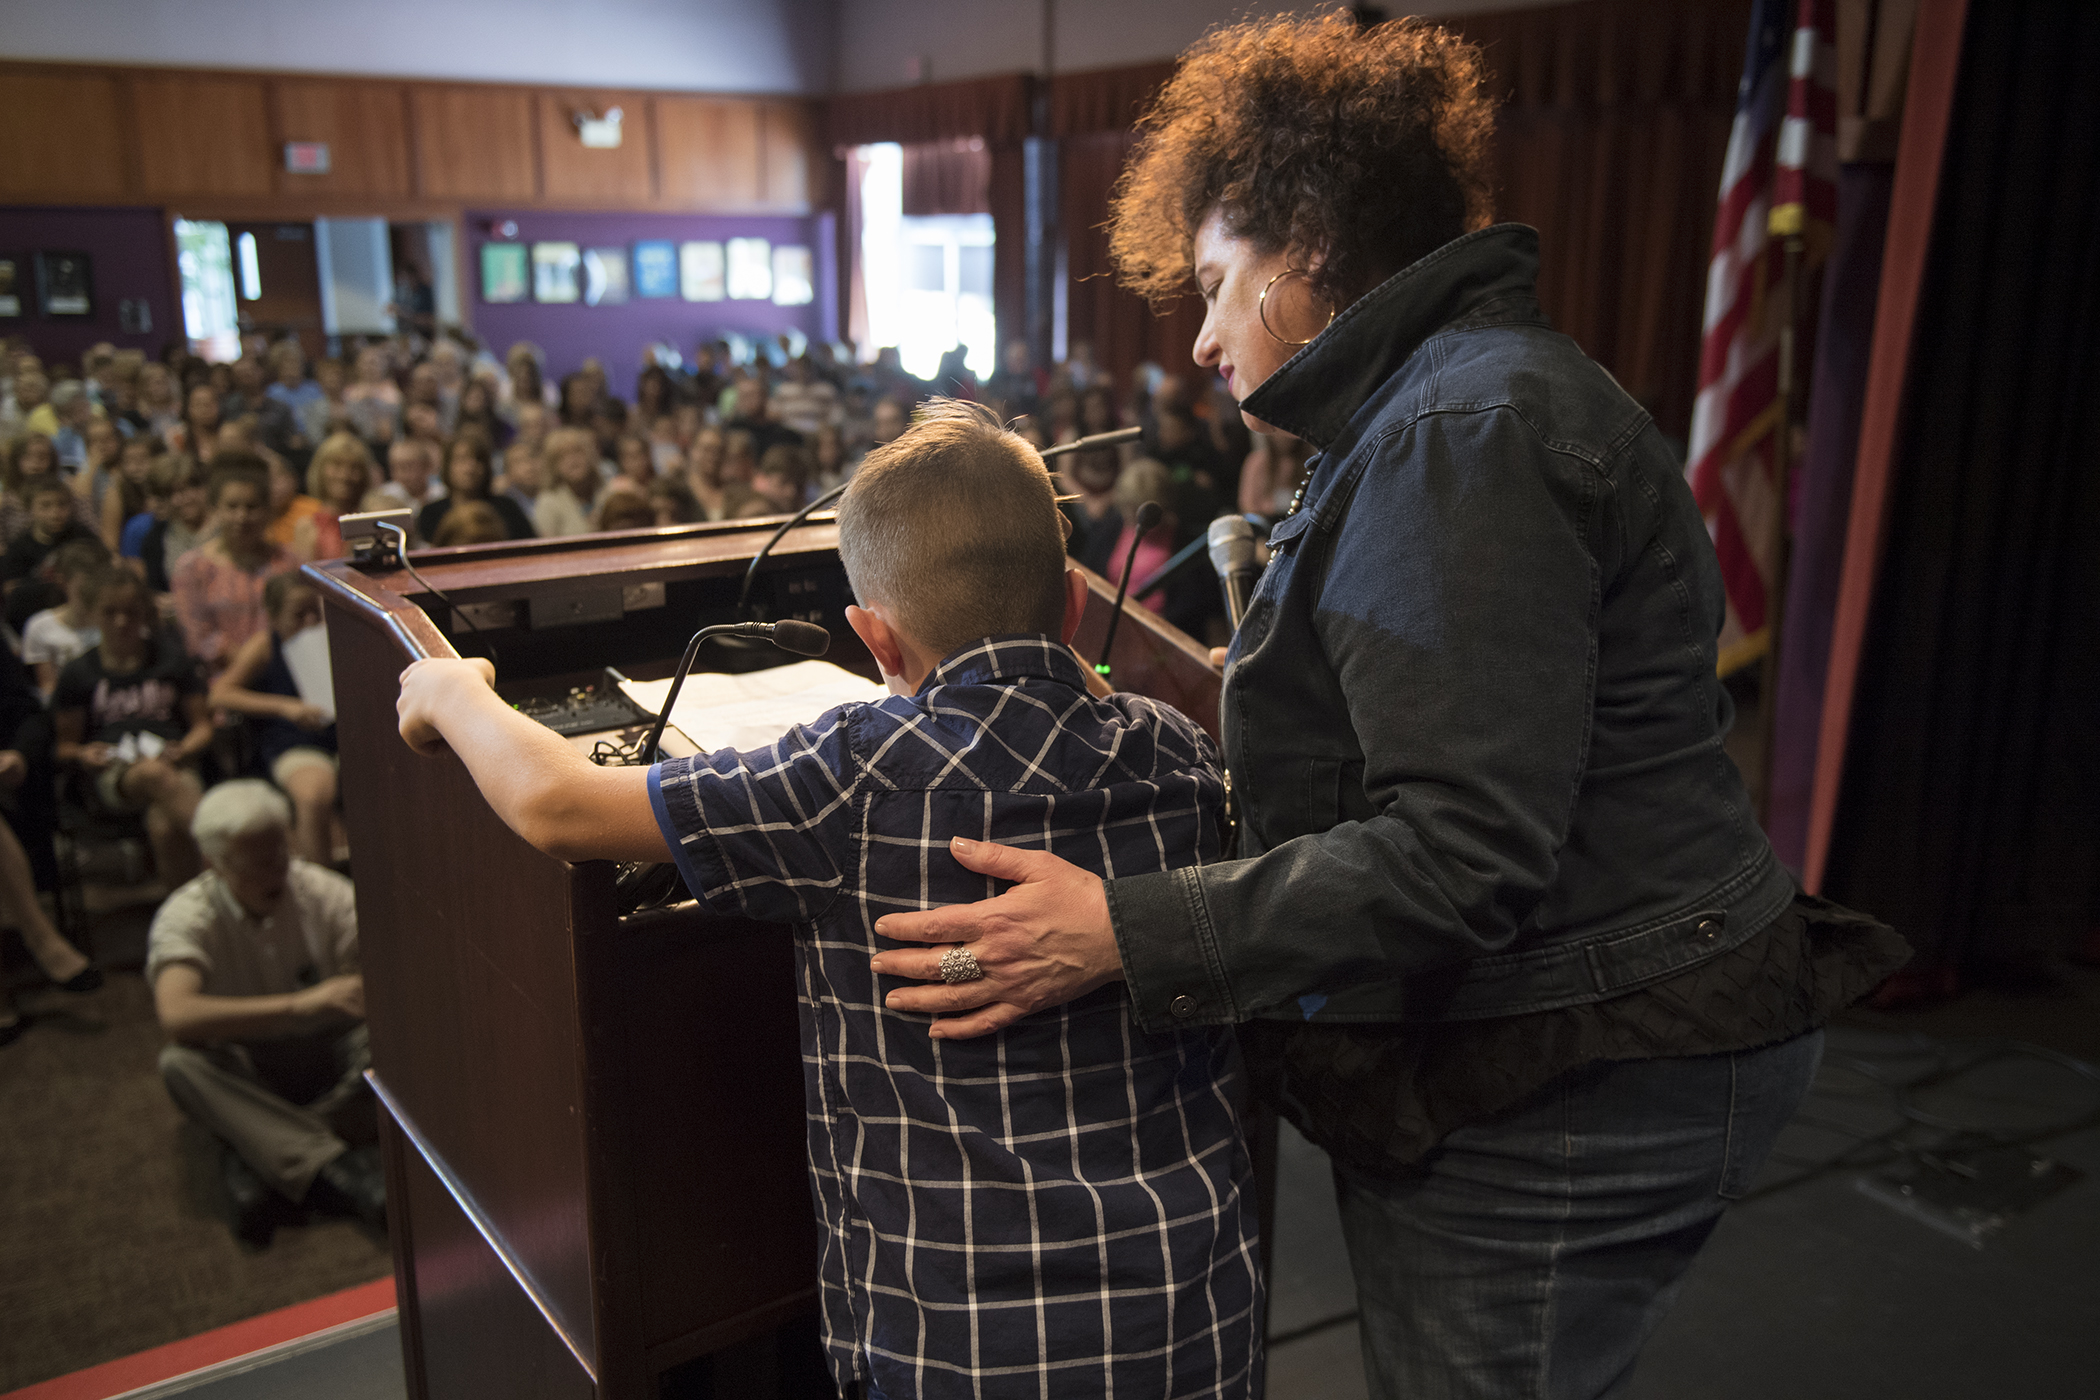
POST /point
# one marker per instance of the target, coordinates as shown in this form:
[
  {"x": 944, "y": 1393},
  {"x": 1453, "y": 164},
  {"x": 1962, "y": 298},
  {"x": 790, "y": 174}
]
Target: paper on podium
[
  {"x": 306, "y": 657},
  {"x": 750, "y": 711}
]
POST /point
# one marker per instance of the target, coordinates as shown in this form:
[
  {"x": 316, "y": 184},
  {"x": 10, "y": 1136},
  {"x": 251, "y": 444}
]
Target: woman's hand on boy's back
[
  {"x": 424, "y": 688},
  {"x": 1045, "y": 941}
]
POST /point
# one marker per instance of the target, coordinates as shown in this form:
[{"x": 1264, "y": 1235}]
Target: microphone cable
[
  {"x": 1148, "y": 516},
  {"x": 401, "y": 548}
]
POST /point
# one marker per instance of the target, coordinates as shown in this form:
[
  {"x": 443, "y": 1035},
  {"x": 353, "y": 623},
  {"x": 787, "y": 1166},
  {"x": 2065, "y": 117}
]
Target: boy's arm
[{"x": 543, "y": 789}]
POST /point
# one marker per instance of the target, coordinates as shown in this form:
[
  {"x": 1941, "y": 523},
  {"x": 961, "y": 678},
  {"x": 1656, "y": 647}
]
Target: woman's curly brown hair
[{"x": 1369, "y": 146}]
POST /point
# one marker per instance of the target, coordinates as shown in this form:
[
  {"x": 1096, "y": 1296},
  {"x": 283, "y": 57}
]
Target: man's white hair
[{"x": 243, "y": 807}]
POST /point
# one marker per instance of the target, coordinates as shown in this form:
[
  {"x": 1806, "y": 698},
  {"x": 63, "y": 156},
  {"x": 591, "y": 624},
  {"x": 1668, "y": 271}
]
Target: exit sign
[{"x": 306, "y": 157}]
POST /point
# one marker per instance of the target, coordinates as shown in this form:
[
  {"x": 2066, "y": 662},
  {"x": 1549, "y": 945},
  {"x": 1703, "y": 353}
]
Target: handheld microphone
[
  {"x": 1232, "y": 554},
  {"x": 1148, "y": 516},
  {"x": 801, "y": 638}
]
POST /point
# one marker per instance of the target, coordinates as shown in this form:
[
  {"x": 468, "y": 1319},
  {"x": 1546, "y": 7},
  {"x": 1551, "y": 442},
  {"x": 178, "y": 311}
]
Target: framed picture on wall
[
  {"x": 794, "y": 277},
  {"x": 604, "y": 276},
  {"x": 503, "y": 275},
  {"x": 700, "y": 271},
  {"x": 10, "y": 293},
  {"x": 65, "y": 284},
  {"x": 554, "y": 268},
  {"x": 655, "y": 269},
  {"x": 750, "y": 269}
]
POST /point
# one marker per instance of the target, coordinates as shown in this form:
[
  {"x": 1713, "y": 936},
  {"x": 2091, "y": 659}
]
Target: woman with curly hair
[{"x": 1502, "y": 934}]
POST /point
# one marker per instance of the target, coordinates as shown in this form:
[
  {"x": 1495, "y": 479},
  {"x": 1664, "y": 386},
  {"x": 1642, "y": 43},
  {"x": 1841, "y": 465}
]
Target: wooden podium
[{"x": 594, "y": 1128}]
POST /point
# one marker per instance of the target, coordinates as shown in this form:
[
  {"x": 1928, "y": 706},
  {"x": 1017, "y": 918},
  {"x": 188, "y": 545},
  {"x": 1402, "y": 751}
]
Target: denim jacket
[{"x": 1471, "y": 716}]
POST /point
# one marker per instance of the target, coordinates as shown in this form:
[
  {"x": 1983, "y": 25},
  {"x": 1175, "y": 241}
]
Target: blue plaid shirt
[{"x": 1063, "y": 1208}]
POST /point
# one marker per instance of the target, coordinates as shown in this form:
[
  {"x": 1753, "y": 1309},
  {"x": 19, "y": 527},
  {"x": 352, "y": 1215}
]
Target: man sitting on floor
[{"x": 254, "y": 972}]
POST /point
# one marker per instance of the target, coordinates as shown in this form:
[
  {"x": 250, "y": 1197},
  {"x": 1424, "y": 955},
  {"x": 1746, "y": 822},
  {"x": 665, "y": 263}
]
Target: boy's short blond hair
[{"x": 954, "y": 528}]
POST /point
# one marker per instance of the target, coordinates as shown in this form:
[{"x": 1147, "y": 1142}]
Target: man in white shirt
[{"x": 255, "y": 978}]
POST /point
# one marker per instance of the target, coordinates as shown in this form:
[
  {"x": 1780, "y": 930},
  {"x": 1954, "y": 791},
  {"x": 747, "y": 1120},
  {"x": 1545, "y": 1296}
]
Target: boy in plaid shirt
[{"x": 1062, "y": 1208}]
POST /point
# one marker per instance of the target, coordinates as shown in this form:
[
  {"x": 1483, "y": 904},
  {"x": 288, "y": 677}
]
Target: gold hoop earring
[{"x": 1261, "y": 309}]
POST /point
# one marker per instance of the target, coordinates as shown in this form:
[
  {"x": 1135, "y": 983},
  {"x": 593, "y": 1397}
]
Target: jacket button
[
  {"x": 1709, "y": 929},
  {"x": 1183, "y": 1006}
]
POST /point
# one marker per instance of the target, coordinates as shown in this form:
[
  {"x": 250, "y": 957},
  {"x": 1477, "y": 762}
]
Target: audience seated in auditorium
[
  {"x": 74, "y": 412},
  {"x": 624, "y": 506},
  {"x": 254, "y": 970},
  {"x": 705, "y": 460},
  {"x": 160, "y": 399},
  {"x": 633, "y": 462},
  {"x": 218, "y": 585},
  {"x": 177, "y": 487},
  {"x": 802, "y": 401},
  {"x": 781, "y": 481},
  {"x": 98, "y": 473},
  {"x": 672, "y": 501},
  {"x": 65, "y": 965},
  {"x": 471, "y": 522},
  {"x": 132, "y": 722},
  {"x": 54, "y": 638},
  {"x": 29, "y": 461},
  {"x": 372, "y": 399},
  {"x": 28, "y": 585},
  {"x": 294, "y": 740},
  {"x": 476, "y": 413},
  {"x": 569, "y": 466},
  {"x": 523, "y": 383},
  {"x": 292, "y": 510},
  {"x": 32, "y": 393},
  {"x": 470, "y": 472},
  {"x": 412, "y": 472},
  {"x": 198, "y": 432},
  {"x": 754, "y": 415}
]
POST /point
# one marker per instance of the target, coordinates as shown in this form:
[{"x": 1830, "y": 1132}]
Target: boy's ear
[
  {"x": 1075, "y": 605},
  {"x": 875, "y": 634}
]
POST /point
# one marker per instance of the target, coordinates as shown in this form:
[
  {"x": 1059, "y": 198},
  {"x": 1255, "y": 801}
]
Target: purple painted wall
[
  {"x": 614, "y": 335},
  {"x": 129, "y": 250}
]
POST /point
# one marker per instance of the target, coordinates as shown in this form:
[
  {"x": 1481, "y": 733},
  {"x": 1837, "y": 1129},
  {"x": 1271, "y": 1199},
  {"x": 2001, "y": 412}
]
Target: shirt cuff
[
  {"x": 1169, "y": 951},
  {"x": 692, "y": 849}
]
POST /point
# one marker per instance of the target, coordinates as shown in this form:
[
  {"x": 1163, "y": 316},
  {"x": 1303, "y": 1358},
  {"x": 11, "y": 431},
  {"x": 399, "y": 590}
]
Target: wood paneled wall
[{"x": 84, "y": 134}]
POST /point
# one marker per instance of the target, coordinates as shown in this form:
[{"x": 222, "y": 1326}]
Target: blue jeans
[{"x": 1535, "y": 1251}]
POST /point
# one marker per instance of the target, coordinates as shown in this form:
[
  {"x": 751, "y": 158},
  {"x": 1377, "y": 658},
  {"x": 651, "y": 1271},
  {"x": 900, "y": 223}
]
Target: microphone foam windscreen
[{"x": 801, "y": 638}]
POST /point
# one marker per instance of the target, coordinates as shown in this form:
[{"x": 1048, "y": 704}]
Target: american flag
[{"x": 1780, "y": 177}]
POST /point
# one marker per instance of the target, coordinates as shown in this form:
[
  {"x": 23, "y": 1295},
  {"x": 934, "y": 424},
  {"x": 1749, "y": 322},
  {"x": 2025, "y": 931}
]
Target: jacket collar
[{"x": 1487, "y": 275}]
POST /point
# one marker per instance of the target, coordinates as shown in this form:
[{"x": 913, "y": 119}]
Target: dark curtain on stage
[
  {"x": 1122, "y": 330},
  {"x": 1091, "y": 115},
  {"x": 1613, "y": 128},
  {"x": 936, "y": 122},
  {"x": 1823, "y": 496},
  {"x": 1968, "y": 815}
]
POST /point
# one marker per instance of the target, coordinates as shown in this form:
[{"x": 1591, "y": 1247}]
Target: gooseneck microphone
[
  {"x": 1094, "y": 443},
  {"x": 1233, "y": 555},
  {"x": 801, "y": 638},
  {"x": 743, "y": 594},
  {"x": 1148, "y": 516}
]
